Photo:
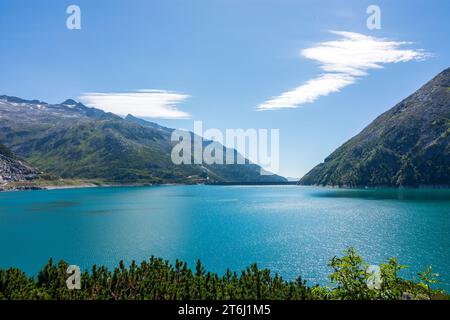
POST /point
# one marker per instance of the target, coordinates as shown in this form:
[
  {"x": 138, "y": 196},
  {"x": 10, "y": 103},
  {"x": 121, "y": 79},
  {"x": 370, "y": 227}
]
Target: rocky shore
[{"x": 12, "y": 169}]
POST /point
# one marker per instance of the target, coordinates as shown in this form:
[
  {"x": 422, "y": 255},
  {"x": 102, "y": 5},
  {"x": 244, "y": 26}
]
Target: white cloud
[
  {"x": 343, "y": 62},
  {"x": 142, "y": 103}
]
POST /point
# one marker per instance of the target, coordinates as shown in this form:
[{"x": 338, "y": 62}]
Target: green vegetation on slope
[
  {"x": 409, "y": 145},
  {"x": 72, "y": 141},
  {"x": 157, "y": 279},
  {"x": 4, "y": 151}
]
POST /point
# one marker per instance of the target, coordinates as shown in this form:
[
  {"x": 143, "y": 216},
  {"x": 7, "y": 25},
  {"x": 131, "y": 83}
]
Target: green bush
[{"x": 157, "y": 279}]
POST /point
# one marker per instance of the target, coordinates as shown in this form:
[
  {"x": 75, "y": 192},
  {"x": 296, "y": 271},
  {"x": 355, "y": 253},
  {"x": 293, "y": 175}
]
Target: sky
[{"x": 312, "y": 69}]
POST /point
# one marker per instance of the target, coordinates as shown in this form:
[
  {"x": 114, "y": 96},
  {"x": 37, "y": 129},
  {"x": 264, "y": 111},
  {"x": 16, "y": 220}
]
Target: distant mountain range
[
  {"x": 73, "y": 141},
  {"x": 409, "y": 145}
]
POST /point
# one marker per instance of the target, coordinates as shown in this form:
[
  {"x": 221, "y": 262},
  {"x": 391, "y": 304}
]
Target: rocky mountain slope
[
  {"x": 409, "y": 145},
  {"x": 13, "y": 169},
  {"x": 71, "y": 140}
]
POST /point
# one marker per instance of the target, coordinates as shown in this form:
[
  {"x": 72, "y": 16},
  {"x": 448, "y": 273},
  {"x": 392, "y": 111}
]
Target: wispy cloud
[
  {"x": 142, "y": 103},
  {"x": 343, "y": 61}
]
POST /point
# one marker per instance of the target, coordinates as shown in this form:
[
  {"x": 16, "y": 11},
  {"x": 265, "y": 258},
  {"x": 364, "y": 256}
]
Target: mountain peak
[
  {"x": 408, "y": 145},
  {"x": 70, "y": 102}
]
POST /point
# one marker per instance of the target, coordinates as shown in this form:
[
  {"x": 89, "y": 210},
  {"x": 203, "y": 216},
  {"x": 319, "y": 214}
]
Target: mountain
[
  {"x": 409, "y": 145},
  {"x": 13, "y": 169},
  {"x": 71, "y": 140},
  {"x": 248, "y": 173}
]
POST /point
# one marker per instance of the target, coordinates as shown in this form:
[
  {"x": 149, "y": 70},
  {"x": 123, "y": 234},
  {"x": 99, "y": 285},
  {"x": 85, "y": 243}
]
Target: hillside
[
  {"x": 73, "y": 141},
  {"x": 409, "y": 145},
  {"x": 12, "y": 169}
]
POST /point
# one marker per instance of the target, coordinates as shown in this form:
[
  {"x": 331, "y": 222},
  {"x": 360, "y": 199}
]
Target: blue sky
[{"x": 219, "y": 60}]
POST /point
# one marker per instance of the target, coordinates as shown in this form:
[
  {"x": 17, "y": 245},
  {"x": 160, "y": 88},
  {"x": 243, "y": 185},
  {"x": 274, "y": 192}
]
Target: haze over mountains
[
  {"x": 70, "y": 140},
  {"x": 409, "y": 145}
]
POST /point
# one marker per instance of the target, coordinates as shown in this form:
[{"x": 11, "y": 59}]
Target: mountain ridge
[
  {"x": 74, "y": 141},
  {"x": 406, "y": 146}
]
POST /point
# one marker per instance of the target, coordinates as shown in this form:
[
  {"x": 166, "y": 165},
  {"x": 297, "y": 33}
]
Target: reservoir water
[{"x": 291, "y": 230}]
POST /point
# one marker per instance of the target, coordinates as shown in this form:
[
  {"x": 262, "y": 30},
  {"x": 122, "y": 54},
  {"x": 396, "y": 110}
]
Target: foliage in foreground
[{"x": 157, "y": 279}]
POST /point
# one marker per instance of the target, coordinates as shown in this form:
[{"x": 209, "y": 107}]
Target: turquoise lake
[{"x": 291, "y": 230}]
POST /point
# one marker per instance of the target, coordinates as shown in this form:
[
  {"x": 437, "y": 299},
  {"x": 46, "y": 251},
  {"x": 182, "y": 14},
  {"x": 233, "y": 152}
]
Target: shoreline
[
  {"x": 81, "y": 186},
  {"x": 86, "y": 185},
  {"x": 70, "y": 186},
  {"x": 46, "y": 185}
]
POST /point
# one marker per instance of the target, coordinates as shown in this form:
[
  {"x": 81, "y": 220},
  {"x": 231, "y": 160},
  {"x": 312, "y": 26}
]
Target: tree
[{"x": 429, "y": 278}]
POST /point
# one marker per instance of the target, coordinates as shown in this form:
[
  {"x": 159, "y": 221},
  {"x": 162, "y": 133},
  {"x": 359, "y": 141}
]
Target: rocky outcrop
[{"x": 13, "y": 169}]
